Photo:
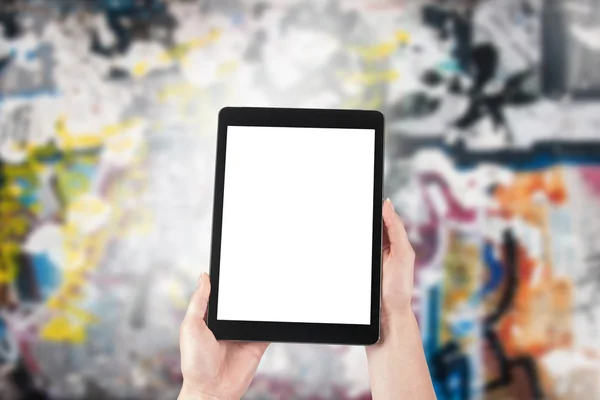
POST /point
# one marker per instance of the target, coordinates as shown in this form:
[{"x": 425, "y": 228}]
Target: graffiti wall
[{"x": 107, "y": 136}]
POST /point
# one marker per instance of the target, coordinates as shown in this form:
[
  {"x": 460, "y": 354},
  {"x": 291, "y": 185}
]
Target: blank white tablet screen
[{"x": 297, "y": 226}]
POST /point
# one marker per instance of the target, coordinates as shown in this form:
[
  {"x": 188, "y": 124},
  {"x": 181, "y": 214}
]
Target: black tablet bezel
[{"x": 286, "y": 331}]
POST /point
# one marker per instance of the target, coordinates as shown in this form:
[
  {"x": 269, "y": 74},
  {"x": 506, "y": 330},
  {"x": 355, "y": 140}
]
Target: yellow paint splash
[
  {"x": 140, "y": 69},
  {"x": 8, "y": 262},
  {"x": 403, "y": 37},
  {"x": 82, "y": 255},
  {"x": 371, "y": 78},
  {"x": 180, "y": 51},
  {"x": 376, "y": 52},
  {"x": 78, "y": 141}
]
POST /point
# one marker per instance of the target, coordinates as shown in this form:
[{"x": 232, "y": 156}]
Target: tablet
[{"x": 297, "y": 228}]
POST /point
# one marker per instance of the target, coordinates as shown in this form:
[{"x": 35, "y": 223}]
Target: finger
[
  {"x": 386, "y": 239},
  {"x": 396, "y": 233},
  {"x": 255, "y": 349},
  {"x": 199, "y": 302},
  {"x": 193, "y": 329},
  {"x": 258, "y": 347}
]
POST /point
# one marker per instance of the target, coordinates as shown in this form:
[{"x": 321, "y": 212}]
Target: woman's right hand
[{"x": 397, "y": 365}]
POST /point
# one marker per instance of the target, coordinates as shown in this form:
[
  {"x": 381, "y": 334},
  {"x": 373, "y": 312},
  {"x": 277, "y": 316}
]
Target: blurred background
[{"x": 107, "y": 137}]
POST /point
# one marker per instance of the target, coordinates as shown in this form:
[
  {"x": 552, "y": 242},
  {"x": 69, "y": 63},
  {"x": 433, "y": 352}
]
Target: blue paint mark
[
  {"x": 31, "y": 55},
  {"x": 450, "y": 66},
  {"x": 115, "y": 5},
  {"x": 23, "y": 183},
  {"x": 238, "y": 19},
  {"x": 85, "y": 169},
  {"x": 432, "y": 301},
  {"x": 30, "y": 94},
  {"x": 518, "y": 163},
  {"x": 2, "y": 328},
  {"x": 28, "y": 200},
  {"x": 496, "y": 272},
  {"x": 454, "y": 383},
  {"x": 463, "y": 328},
  {"x": 47, "y": 273},
  {"x": 51, "y": 159}
]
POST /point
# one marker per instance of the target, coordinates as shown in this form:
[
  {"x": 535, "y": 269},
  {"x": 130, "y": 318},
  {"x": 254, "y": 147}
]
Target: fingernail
[
  {"x": 201, "y": 279},
  {"x": 391, "y": 204}
]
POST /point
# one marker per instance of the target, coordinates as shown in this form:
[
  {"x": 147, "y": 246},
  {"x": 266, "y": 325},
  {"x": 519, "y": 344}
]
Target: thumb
[
  {"x": 194, "y": 315},
  {"x": 399, "y": 244}
]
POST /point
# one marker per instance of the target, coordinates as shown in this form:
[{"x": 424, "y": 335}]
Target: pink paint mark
[
  {"x": 591, "y": 178},
  {"x": 456, "y": 211},
  {"x": 429, "y": 233},
  {"x": 28, "y": 358}
]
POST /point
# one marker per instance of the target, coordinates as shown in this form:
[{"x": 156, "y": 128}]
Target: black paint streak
[
  {"x": 507, "y": 365},
  {"x": 510, "y": 251},
  {"x": 22, "y": 379},
  {"x": 9, "y": 19},
  {"x": 129, "y": 24},
  {"x": 480, "y": 63}
]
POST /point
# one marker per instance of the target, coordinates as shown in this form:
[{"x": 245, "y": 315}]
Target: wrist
[
  {"x": 398, "y": 316},
  {"x": 398, "y": 325},
  {"x": 190, "y": 393}
]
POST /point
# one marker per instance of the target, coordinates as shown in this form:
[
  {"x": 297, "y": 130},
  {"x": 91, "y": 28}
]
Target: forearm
[
  {"x": 397, "y": 365},
  {"x": 188, "y": 393}
]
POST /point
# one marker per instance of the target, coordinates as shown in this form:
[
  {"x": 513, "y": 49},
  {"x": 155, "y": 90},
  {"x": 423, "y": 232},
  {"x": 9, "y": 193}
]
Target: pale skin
[{"x": 221, "y": 370}]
